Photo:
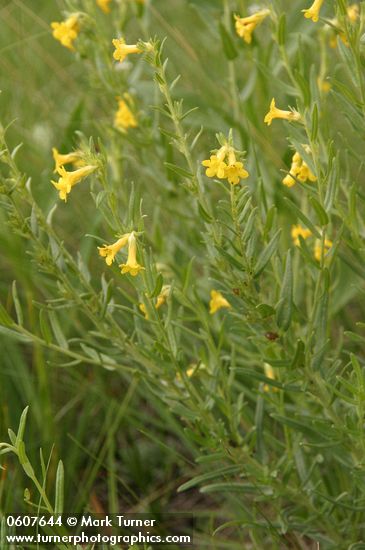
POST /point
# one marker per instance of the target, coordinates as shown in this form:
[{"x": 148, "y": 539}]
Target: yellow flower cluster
[
  {"x": 124, "y": 118},
  {"x": 67, "y": 180},
  {"x": 67, "y": 31},
  {"x": 318, "y": 248},
  {"x": 353, "y": 14},
  {"x": 109, "y": 252},
  {"x": 224, "y": 165},
  {"x": 300, "y": 170},
  {"x": 217, "y": 302},
  {"x": 298, "y": 231},
  {"x": 246, "y": 25}
]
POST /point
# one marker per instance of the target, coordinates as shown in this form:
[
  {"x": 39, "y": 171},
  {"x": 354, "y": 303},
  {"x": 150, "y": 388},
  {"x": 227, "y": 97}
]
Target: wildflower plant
[{"x": 190, "y": 265}]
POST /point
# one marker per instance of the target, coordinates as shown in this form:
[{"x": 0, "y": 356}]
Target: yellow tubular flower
[
  {"x": 66, "y": 32},
  {"x": 68, "y": 158},
  {"x": 132, "y": 266},
  {"x": 246, "y": 25},
  {"x": 234, "y": 170},
  {"x": 318, "y": 248},
  {"x": 189, "y": 373},
  {"x": 217, "y": 302},
  {"x": 124, "y": 118},
  {"x": 110, "y": 251},
  {"x": 323, "y": 85},
  {"x": 278, "y": 113},
  {"x": 300, "y": 170},
  {"x": 215, "y": 165},
  {"x": 299, "y": 231},
  {"x": 69, "y": 179},
  {"x": 122, "y": 49},
  {"x": 104, "y": 5},
  {"x": 161, "y": 299},
  {"x": 353, "y": 12},
  {"x": 313, "y": 11},
  {"x": 269, "y": 373}
]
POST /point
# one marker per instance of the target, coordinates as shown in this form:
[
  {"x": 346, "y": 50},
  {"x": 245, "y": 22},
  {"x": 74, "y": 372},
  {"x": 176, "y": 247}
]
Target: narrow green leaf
[
  {"x": 21, "y": 427},
  {"x": 322, "y": 312},
  {"x": 5, "y": 318},
  {"x": 265, "y": 310},
  {"x": 57, "y": 331},
  {"x": 228, "y": 45},
  {"x": 298, "y": 359},
  {"x": 299, "y": 426},
  {"x": 266, "y": 254},
  {"x": 12, "y": 437},
  {"x": 303, "y": 217},
  {"x": 238, "y": 488},
  {"x": 8, "y": 333},
  {"x": 204, "y": 214},
  {"x": 178, "y": 170},
  {"x": 259, "y": 419},
  {"x": 253, "y": 374},
  {"x": 249, "y": 227},
  {"x": 59, "y": 492},
  {"x": 44, "y": 326},
  {"x": 208, "y": 476},
  {"x": 304, "y": 87},
  {"x": 158, "y": 286},
  {"x": 314, "y": 129},
  {"x": 321, "y": 213},
  {"x": 285, "y": 305},
  {"x": 333, "y": 184},
  {"x": 282, "y": 29},
  {"x": 18, "y": 308}
]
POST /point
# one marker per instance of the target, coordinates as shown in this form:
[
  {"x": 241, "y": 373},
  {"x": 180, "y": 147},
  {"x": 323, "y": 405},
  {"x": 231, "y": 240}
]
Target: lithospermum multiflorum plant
[{"x": 197, "y": 304}]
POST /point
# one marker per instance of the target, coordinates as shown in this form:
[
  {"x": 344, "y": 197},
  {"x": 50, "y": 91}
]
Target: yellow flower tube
[
  {"x": 122, "y": 49},
  {"x": 274, "y": 112},
  {"x": 61, "y": 159},
  {"x": 246, "y": 25},
  {"x": 131, "y": 266},
  {"x": 110, "y": 251},
  {"x": 313, "y": 11},
  {"x": 69, "y": 179}
]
